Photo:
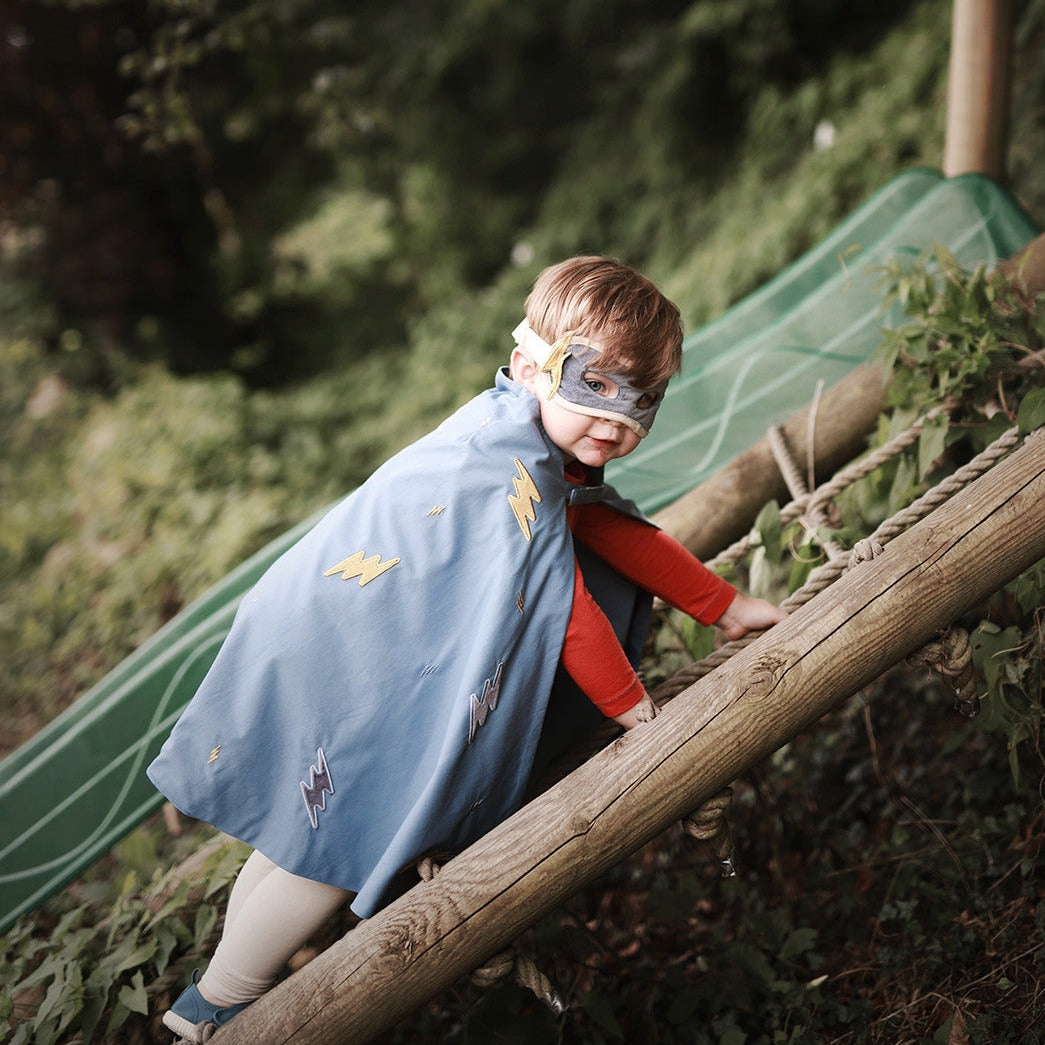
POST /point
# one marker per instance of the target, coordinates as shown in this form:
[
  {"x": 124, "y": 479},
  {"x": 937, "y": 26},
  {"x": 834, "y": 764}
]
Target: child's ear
[{"x": 523, "y": 369}]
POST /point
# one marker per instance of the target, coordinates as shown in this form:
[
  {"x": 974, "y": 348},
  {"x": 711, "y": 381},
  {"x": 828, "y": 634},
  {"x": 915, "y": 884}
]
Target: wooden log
[
  {"x": 978, "y": 88},
  {"x": 871, "y": 618},
  {"x": 721, "y": 509}
]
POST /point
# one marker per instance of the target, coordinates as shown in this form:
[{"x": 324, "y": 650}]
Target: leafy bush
[{"x": 90, "y": 978}]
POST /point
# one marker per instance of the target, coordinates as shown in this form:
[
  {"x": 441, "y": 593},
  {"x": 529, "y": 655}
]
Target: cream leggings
[{"x": 272, "y": 913}]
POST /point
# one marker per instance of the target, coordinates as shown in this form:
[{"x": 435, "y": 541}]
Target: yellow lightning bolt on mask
[
  {"x": 523, "y": 499},
  {"x": 552, "y": 366}
]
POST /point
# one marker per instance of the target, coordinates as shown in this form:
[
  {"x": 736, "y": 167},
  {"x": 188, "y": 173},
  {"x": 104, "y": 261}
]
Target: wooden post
[
  {"x": 978, "y": 88},
  {"x": 642, "y": 783}
]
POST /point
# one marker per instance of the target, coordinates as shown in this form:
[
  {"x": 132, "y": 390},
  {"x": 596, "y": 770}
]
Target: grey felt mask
[{"x": 573, "y": 380}]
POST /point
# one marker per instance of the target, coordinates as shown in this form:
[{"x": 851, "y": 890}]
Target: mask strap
[{"x": 530, "y": 341}]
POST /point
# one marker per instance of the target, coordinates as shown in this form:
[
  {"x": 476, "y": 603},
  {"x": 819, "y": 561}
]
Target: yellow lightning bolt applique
[
  {"x": 522, "y": 501},
  {"x": 365, "y": 569},
  {"x": 553, "y": 366}
]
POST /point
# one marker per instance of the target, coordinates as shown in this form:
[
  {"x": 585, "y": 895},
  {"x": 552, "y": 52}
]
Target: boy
[{"x": 393, "y": 681}]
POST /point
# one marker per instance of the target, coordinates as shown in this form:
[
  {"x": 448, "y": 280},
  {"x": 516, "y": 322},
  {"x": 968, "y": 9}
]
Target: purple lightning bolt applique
[
  {"x": 485, "y": 703},
  {"x": 313, "y": 792}
]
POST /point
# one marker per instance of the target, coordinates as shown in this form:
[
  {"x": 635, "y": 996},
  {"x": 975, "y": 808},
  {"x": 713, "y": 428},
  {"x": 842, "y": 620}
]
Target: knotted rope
[
  {"x": 829, "y": 572},
  {"x": 508, "y": 963},
  {"x": 709, "y": 824},
  {"x": 951, "y": 656}
]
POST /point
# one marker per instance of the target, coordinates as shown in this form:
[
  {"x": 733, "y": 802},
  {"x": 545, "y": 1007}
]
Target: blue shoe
[{"x": 193, "y": 1018}]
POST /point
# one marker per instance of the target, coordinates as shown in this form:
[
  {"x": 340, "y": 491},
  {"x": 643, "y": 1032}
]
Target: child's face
[{"x": 591, "y": 440}]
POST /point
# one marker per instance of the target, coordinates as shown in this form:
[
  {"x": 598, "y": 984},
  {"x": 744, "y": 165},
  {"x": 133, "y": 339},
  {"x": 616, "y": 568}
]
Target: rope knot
[
  {"x": 525, "y": 973},
  {"x": 865, "y": 550},
  {"x": 951, "y": 657},
  {"x": 709, "y": 824}
]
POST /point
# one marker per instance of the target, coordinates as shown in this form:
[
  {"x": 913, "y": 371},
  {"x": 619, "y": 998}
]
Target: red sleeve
[
  {"x": 593, "y": 656},
  {"x": 653, "y": 560}
]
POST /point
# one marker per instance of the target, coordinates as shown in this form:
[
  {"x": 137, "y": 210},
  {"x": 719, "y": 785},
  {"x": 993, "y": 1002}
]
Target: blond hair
[{"x": 637, "y": 329}]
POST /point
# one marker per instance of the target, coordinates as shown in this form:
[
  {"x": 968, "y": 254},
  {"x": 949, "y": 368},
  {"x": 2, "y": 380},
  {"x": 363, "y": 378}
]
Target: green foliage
[
  {"x": 1010, "y": 662},
  {"x": 108, "y": 953},
  {"x": 417, "y": 148},
  {"x": 962, "y": 330},
  {"x": 133, "y": 505},
  {"x": 970, "y": 339}
]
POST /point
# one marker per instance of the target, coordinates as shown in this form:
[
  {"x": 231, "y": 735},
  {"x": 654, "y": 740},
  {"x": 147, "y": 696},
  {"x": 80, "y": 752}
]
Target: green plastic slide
[
  {"x": 79, "y": 786},
  {"x": 817, "y": 320}
]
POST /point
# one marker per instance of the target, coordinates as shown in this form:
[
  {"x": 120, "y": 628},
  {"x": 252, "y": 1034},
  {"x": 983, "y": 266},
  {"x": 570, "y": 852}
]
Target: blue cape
[{"x": 385, "y": 685}]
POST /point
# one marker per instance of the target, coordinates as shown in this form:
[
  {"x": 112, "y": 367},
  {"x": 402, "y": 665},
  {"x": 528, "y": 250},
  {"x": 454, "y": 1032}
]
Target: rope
[
  {"x": 710, "y": 824},
  {"x": 828, "y": 573},
  {"x": 842, "y": 479},
  {"x": 951, "y": 656},
  {"x": 814, "y": 519},
  {"x": 508, "y": 963},
  {"x": 811, "y": 505}
]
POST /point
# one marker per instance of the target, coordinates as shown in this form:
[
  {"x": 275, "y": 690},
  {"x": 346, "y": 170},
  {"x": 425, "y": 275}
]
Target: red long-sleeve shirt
[{"x": 655, "y": 561}]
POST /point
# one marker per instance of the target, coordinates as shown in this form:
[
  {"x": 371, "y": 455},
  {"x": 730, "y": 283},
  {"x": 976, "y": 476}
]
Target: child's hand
[
  {"x": 644, "y": 711},
  {"x": 747, "y": 614}
]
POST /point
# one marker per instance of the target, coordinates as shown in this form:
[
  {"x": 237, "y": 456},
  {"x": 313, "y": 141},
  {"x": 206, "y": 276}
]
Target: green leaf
[
  {"x": 53, "y": 965},
  {"x": 760, "y": 574},
  {"x": 699, "y": 638},
  {"x": 1014, "y": 763},
  {"x": 598, "y": 1007},
  {"x": 931, "y": 444},
  {"x": 1029, "y": 587},
  {"x": 136, "y": 956},
  {"x": 800, "y": 571},
  {"x": 1031, "y": 414},
  {"x": 62, "y": 1001},
  {"x": 229, "y": 861},
  {"x": 22, "y": 1036},
  {"x": 93, "y": 1008},
  {"x": 206, "y": 916},
  {"x": 798, "y": 942},
  {"x": 990, "y": 644},
  {"x": 166, "y": 941},
  {"x": 769, "y": 529},
  {"x": 732, "y": 1036},
  {"x": 943, "y": 1034},
  {"x": 133, "y": 995}
]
